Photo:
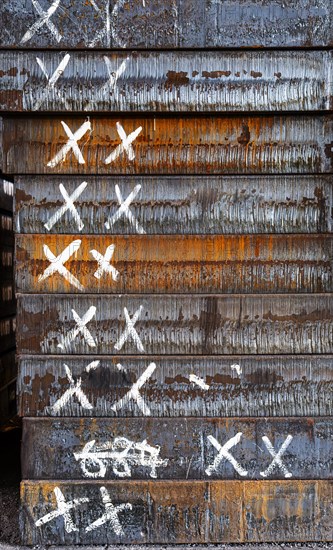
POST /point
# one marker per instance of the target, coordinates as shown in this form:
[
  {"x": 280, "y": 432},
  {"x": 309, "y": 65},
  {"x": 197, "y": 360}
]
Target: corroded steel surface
[
  {"x": 6, "y": 194},
  {"x": 166, "y": 81},
  {"x": 166, "y": 24},
  {"x": 254, "y": 385},
  {"x": 180, "y": 512},
  {"x": 150, "y": 448},
  {"x": 166, "y": 264},
  {"x": 176, "y": 324},
  {"x": 177, "y": 204},
  {"x": 200, "y": 144}
]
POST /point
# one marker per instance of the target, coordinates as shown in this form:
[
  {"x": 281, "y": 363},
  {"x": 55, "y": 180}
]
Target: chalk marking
[
  {"x": 130, "y": 330},
  {"x": 198, "y": 381},
  {"x": 223, "y": 453},
  {"x": 74, "y": 390},
  {"x": 110, "y": 515},
  {"x": 121, "y": 368},
  {"x": 124, "y": 210},
  {"x": 122, "y": 454},
  {"x": 71, "y": 144},
  {"x": 111, "y": 83},
  {"x": 69, "y": 205},
  {"x": 63, "y": 509},
  {"x": 43, "y": 20},
  {"x": 80, "y": 328},
  {"x": 52, "y": 82},
  {"x": 56, "y": 264},
  {"x": 277, "y": 462},
  {"x": 237, "y": 368},
  {"x": 125, "y": 145},
  {"x": 108, "y": 29},
  {"x": 104, "y": 263},
  {"x": 134, "y": 393}
]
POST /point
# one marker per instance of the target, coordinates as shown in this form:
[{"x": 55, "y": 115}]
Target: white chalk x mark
[
  {"x": 57, "y": 264},
  {"x": 111, "y": 83},
  {"x": 74, "y": 390},
  {"x": 237, "y": 368},
  {"x": 104, "y": 263},
  {"x": 125, "y": 145},
  {"x": 223, "y": 454},
  {"x": 71, "y": 144},
  {"x": 122, "y": 454},
  {"x": 130, "y": 330},
  {"x": 124, "y": 210},
  {"x": 51, "y": 82},
  {"x": 80, "y": 328},
  {"x": 277, "y": 456},
  {"x": 109, "y": 29},
  {"x": 134, "y": 393},
  {"x": 198, "y": 381},
  {"x": 110, "y": 515},
  {"x": 44, "y": 19},
  {"x": 63, "y": 510},
  {"x": 69, "y": 205}
]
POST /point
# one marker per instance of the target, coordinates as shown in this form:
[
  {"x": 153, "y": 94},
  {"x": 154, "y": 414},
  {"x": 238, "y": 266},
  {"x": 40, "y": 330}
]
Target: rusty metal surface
[
  {"x": 166, "y": 24},
  {"x": 177, "y": 204},
  {"x": 181, "y": 264},
  {"x": 150, "y": 448},
  {"x": 6, "y": 261},
  {"x": 256, "y": 386},
  {"x": 166, "y": 81},
  {"x": 175, "y": 324},
  {"x": 180, "y": 512},
  {"x": 6, "y": 194},
  {"x": 6, "y": 228},
  {"x": 7, "y": 298},
  {"x": 200, "y": 144}
]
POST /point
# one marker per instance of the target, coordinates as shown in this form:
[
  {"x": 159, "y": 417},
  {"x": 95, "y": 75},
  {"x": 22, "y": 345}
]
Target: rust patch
[
  {"x": 278, "y": 75},
  {"x": 215, "y": 74},
  {"x": 176, "y": 79},
  {"x": 245, "y": 135},
  {"x": 255, "y": 74}
]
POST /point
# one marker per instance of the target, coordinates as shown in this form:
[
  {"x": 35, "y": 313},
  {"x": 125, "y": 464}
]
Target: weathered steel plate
[
  {"x": 7, "y": 298},
  {"x": 176, "y": 205},
  {"x": 7, "y": 333},
  {"x": 175, "y": 324},
  {"x": 166, "y": 81},
  {"x": 178, "y": 512},
  {"x": 166, "y": 264},
  {"x": 200, "y": 144},
  {"x": 6, "y": 194},
  {"x": 165, "y": 24},
  {"x": 6, "y": 261},
  {"x": 179, "y": 386},
  {"x": 150, "y": 448},
  {"x": 6, "y": 228}
]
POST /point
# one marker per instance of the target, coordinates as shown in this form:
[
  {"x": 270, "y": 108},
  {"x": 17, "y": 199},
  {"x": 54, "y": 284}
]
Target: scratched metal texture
[
  {"x": 168, "y": 24},
  {"x": 187, "y": 145},
  {"x": 183, "y": 511},
  {"x": 6, "y": 194},
  {"x": 181, "y": 448},
  {"x": 257, "y": 386},
  {"x": 166, "y": 81},
  {"x": 181, "y": 264},
  {"x": 177, "y": 324},
  {"x": 6, "y": 261},
  {"x": 179, "y": 204}
]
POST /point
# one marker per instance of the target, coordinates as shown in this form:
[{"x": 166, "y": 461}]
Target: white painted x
[
  {"x": 111, "y": 83},
  {"x": 69, "y": 205},
  {"x": 74, "y": 390},
  {"x": 56, "y": 264},
  {"x": 130, "y": 330},
  {"x": 51, "y": 81},
  {"x": 223, "y": 453},
  {"x": 277, "y": 462},
  {"x": 80, "y": 328},
  {"x": 125, "y": 145},
  {"x": 110, "y": 515},
  {"x": 104, "y": 263},
  {"x": 108, "y": 28},
  {"x": 71, "y": 144},
  {"x": 63, "y": 509},
  {"x": 134, "y": 392},
  {"x": 43, "y": 20},
  {"x": 124, "y": 210}
]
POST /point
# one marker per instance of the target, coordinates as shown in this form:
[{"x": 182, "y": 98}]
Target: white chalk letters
[
  {"x": 71, "y": 144},
  {"x": 122, "y": 454},
  {"x": 223, "y": 453},
  {"x": 57, "y": 264}
]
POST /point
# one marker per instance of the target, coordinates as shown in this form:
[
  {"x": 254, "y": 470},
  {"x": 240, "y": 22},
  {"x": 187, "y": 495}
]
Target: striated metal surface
[
  {"x": 150, "y": 448},
  {"x": 6, "y": 194},
  {"x": 241, "y": 386},
  {"x": 178, "y": 204},
  {"x": 176, "y": 324},
  {"x": 6, "y": 262},
  {"x": 167, "y": 24},
  {"x": 181, "y": 511},
  {"x": 166, "y": 81},
  {"x": 201, "y": 145},
  {"x": 182, "y": 264},
  {"x": 7, "y": 298}
]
